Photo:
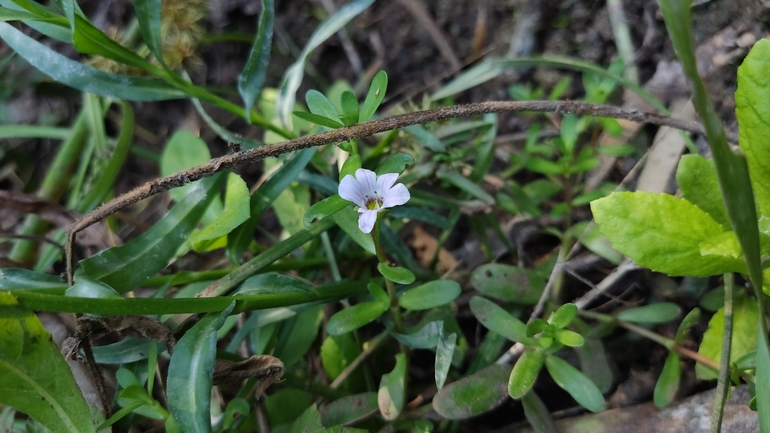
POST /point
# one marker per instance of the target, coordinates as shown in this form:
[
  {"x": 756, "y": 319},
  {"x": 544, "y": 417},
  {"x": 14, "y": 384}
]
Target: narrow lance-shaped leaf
[
  {"x": 148, "y": 17},
  {"x": 252, "y": 77},
  {"x": 190, "y": 373},
  {"x": 82, "y": 77},
  {"x": 577, "y": 384}
]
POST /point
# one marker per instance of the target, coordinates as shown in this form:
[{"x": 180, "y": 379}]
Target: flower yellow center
[{"x": 373, "y": 203}]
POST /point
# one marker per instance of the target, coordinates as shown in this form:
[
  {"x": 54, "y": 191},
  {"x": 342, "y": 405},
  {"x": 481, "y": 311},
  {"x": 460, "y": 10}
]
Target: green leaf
[
  {"x": 18, "y": 15},
  {"x": 12, "y": 279},
  {"x": 577, "y": 384},
  {"x": 252, "y": 77},
  {"x": 662, "y": 232},
  {"x": 464, "y": 184},
  {"x": 320, "y": 105},
  {"x": 616, "y": 150},
  {"x": 308, "y": 422},
  {"x": 697, "y": 178},
  {"x": 124, "y": 268},
  {"x": 396, "y": 274},
  {"x": 190, "y": 373},
  {"x": 430, "y": 295},
  {"x": 290, "y": 206},
  {"x": 474, "y": 394},
  {"x": 425, "y": 338},
  {"x": 563, "y": 316},
  {"x": 324, "y": 208},
  {"x": 753, "y": 115},
  {"x": 593, "y": 359},
  {"x": 391, "y": 394},
  {"x": 86, "y": 287},
  {"x": 294, "y": 74},
  {"x": 542, "y": 166},
  {"x": 36, "y": 378},
  {"x": 236, "y": 212},
  {"x": 508, "y": 283},
  {"x": 498, "y": 320},
  {"x": 347, "y": 410},
  {"x": 347, "y": 220},
  {"x": 90, "y": 40},
  {"x": 444, "y": 351},
  {"x": 569, "y": 338},
  {"x": 183, "y": 150},
  {"x": 598, "y": 244},
  {"x": 349, "y": 108},
  {"x": 537, "y": 414},
  {"x": 378, "y": 293},
  {"x": 745, "y": 319},
  {"x": 525, "y": 372},
  {"x": 148, "y": 17},
  {"x": 292, "y": 348},
  {"x": 318, "y": 120},
  {"x": 395, "y": 163},
  {"x": 263, "y": 197},
  {"x": 350, "y": 166},
  {"x": 426, "y": 138},
  {"x": 374, "y": 96},
  {"x": 286, "y": 405},
  {"x": 661, "y": 312},
  {"x": 337, "y": 352},
  {"x": 668, "y": 381},
  {"x": 762, "y": 381},
  {"x": 354, "y": 317},
  {"x": 85, "y": 78}
]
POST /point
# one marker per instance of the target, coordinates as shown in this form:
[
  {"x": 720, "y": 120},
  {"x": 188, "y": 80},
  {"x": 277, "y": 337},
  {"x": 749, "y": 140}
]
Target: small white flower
[{"x": 372, "y": 194}]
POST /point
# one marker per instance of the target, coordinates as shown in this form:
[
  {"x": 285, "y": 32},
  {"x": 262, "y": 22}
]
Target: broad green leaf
[
  {"x": 374, "y": 96},
  {"x": 569, "y": 338},
  {"x": 508, "y": 283},
  {"x": 308, "y": 422},
  {"x": 347, "y": 220},
  {"x": 182, "y": 151},
  {"x": 320, "y": 105},
  {"x": 13, "y": 278},
  {"x": 350, "y": 107},
  {"x": 745, "y": 319},
  {"x": 337, "y": 352},
  {"x": 577, "y": 384},
  {"x": 318, "y": 120},
  {"x": 426, "y": 138},
  {"x": 291, "y": 349},
  {"x": 324, "y": 208},
  {"x": 465, "y": 185},
  {"x": 392, "y": 392},
  {"x": 697, "y": 178},
  {"x": 444, "y": 351},
  {"x": 525, "y": 372},
  {"x": 235, "y": 212},
  {"x": 662, "y": 232},
  {"x": 350, "y": 166},
  {"x": 239, "y": 239},
  {"x": 252, "y": 77},
  {"x": 294, "y": 74},
  {"x": 494, "y": 318},
  {"x": 286, "y": 405},
  {"x": 425, "y": 338},
  {"x": 148, "y": 17},
  {"x": 537, "y": 414},
  {"x": 668, "y": 381},
  {"x": 354, "y": 317},
  {"x": 475, "y": 394},
  {"x": 124, "y": 268},
  {"x": 396, "y": 274},
  {"x": 190, "y": 373},
  {"x": 661, "y": 312},
  {"x": 430, "y": 295},
  {"x": 395, "y": 163},
  {"x": 347, "y": 410},
  {"x": 36, "y": 378},
  {"x": 86, "y": 287},
  {"x": 85, "y": 78},
  {"x": 753, "y": 113}
]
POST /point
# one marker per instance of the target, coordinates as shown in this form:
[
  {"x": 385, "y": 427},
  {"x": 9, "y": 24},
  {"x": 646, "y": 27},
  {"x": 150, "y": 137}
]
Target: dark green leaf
[
  {"x": 12, "y": 278},
  {"x": 148, "y": 17},
  {"x": 496, "y": 319},
  {"x": 347, "y": 410},
  {"x": 762, "y": 381},
  {"x": 525, "y": 372},
  {"x": 130, "y": 349},
  {"x": 391, "y": 394},
  {"x": 324, "y": 208},
  {"x": 475, "y": 394},
  {"x": 308, "y": 422},
  {"x": 349, "y": 107},
  {"x": 444, "y": 350},
  {"x": 286, "y": 405},
  {"x": 395, "y": 163},
  {"x": 378, "y": 293},
  {"x": 354, "y": 317},
  {"x": 537, "y": 413},
  {"x": 86, "y": 287},
  {"x": 577, "y": 384},
  {"x": 661, "y": 312},
  {"x": 124, "y": 268},
  {"x": 396, "y": 274},
  {"x": 508, "y": 283},
  {"x": 318, "y": 120},
  {"x": 419, "y": 214},
  {"x": 425, "y": 338},
  {"x": 347, "y": 220},
  {"x": 292, "y": 347},
  {"x": 426, "y": 138},
  {"x": 253, "y": 74},
  {"x": 464, "y": 184},
  {"x": 430, "y": 295},
  {"x": 85, "y": 78},
  {"x": 273, "y": 284},
  {"x": 90, "y": 40},
  {"x": 668, "y": 382},
  {"x": 36, "y": 378},
  {"x": 190, "y": 373},
  {"x": 374, "y": 96}
]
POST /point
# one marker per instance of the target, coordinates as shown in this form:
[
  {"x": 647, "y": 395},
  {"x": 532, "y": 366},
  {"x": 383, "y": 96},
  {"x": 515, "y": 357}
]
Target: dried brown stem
[{"x": 359, "y": 131}]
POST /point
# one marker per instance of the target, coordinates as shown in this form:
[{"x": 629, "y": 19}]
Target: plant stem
[{"x": 723, "y": 382}]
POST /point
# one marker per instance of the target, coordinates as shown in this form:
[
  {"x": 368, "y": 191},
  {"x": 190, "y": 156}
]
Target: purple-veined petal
[
  {"x": 396, "y": 196},
  {"x": 350, "y": 190},
  {"x": 368, "y": 181},
  {"x": 366, "y": 220}
]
